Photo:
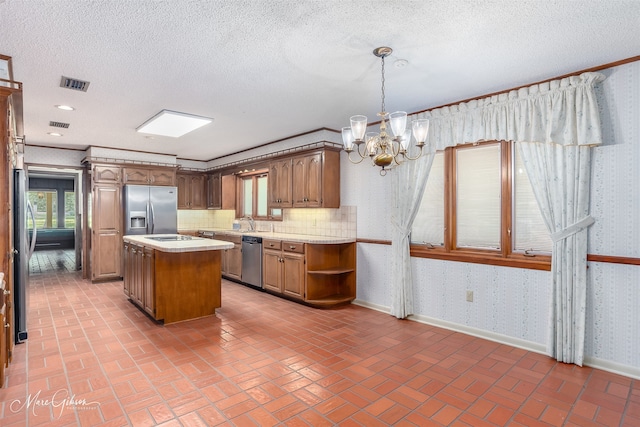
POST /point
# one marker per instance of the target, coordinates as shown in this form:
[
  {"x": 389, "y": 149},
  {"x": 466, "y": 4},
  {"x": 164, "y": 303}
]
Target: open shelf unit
[{"x": 331, "y": 274}]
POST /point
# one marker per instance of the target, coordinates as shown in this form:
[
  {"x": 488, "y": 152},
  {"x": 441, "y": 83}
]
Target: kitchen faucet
[{"x": 252, "y": 223}]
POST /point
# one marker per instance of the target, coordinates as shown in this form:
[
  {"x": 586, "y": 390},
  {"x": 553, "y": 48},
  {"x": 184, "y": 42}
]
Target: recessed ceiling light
[
  {"x": 54, "y": 134},
  {"x": 65, "y": 107},
  {"x": 172, "y": 123}
]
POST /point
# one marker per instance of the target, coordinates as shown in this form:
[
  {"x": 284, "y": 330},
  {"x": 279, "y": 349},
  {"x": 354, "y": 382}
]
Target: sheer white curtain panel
[
  {"x": 562, "y": 117},
  {"x": 560, "y": 177},
  {"x": 409, "y": 182}
]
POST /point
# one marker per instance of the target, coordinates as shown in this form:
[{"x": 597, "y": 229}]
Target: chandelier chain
[{"x": 383, "y": 110}]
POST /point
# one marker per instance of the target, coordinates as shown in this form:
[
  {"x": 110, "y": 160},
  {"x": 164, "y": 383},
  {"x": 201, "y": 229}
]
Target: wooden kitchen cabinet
[
  {"x": 228, "y": 191},
  {"x": 106, "y": 174},
  {"x": 280, "y": 184},
  {"x": 330, "y": 274},
  {"x": 127, "y": 266},
  {"x": 272, "y": 266},
  {"x": 106, "y": 249},
  {"x": 106, "y": 233},
  {"x": 172, "y": 286},
  {"x": 191, "y": 191},
  {"x": 293, "y": 279},
  {"x": 214, "y": 191},
  {"x": 148, "y": 281},
  {"x": 139, "y": 276},
  {"x": 316, "y": 180},
  {"x": 283, "y": 268},
  {"x": 231, "y": 263},
  {"x": 136, "y": 291},
  {"x": 149, "y": 176},
  {"x": 322, "y": 275}
]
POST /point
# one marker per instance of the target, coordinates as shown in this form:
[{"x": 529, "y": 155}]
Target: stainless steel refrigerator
[
  {"x": 22, "y": 212},
  {"x": 150, "y": 210}
]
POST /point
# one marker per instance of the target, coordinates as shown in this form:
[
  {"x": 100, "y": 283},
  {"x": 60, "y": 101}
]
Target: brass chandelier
[{"x": 384, "y": 150}]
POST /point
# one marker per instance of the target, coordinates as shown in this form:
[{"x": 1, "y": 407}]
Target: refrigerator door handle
[
  {"x": 153, "y": 217},
  {"x": 35, "y": 230}
]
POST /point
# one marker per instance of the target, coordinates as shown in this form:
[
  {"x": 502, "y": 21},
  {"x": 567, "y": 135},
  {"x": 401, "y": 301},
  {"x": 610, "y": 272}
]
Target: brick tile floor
[{"x": 93, "y": 358}]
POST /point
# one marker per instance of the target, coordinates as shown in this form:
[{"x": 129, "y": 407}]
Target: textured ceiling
[{"x": 267, "y": 70}]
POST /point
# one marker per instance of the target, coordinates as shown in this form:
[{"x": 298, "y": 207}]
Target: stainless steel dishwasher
[{"x": 252, "y": 261}]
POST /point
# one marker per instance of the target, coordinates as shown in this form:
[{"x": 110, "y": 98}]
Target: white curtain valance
[{"x": 561, "y": 111}]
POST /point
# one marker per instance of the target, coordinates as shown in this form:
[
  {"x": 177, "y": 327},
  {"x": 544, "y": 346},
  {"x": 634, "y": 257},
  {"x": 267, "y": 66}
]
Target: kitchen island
[{"x": 172, "y": 277}]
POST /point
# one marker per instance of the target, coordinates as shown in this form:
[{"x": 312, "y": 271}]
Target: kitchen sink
[{"x": 171, "y": 238}]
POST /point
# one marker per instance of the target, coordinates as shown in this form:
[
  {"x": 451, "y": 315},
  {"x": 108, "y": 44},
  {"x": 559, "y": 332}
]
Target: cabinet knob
[
  {"x": 291, "y": 247},
  {"x": 7, "y": 293}
]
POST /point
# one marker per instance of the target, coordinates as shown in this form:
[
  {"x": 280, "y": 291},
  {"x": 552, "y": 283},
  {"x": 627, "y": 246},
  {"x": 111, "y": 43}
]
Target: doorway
[{"x": 55, "y": 196}]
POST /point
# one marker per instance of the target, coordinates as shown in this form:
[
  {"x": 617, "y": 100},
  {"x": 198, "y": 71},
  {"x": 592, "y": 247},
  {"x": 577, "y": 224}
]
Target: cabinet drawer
[
  {"x": 296, "y": 247},
  {"x": 271, "y": 244},
  {"x": 228, "y": 238}
]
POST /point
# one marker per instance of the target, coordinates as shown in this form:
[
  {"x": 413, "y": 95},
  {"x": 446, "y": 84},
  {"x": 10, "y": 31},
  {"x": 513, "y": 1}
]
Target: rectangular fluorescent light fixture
[{"x": 172, "y": 123}]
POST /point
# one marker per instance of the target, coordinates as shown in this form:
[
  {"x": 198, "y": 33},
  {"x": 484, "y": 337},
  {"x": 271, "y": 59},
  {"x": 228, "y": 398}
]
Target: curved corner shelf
[{"x": 332, "y": 271}]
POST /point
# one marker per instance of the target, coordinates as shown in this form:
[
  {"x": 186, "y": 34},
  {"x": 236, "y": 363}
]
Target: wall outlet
[{"x": 470, "y": 296}]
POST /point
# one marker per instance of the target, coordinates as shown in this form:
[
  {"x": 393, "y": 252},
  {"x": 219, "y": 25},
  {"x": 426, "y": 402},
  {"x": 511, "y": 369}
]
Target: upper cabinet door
[
  {"x": 106, "y": 174},
  {"x": 135, "y": 176},
  {"x": 184, "y": 189},
  {"x": 280, "y": 181},
  {"x": 214, "y": 191},
  {"x": 191, "y": 191},
  {"x": 299, "y": 190},
  {"x": 162, "y": 177},
  {"x": 307, "y": 181},
  {"x": 313, "y": 183},
  {"x": 146, "y": 176},
  {"x": 198, "y": 200}
]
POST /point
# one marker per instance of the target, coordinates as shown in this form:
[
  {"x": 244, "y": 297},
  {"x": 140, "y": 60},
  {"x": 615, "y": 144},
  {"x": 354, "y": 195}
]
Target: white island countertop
[
  {"x": 290, "y": 237},
  {"x": 162, "y": 243}
]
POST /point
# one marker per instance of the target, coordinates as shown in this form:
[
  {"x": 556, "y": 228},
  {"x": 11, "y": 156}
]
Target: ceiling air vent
[
  {"x": 74, "y": 84},
  {"x": 59, "y": 125}
]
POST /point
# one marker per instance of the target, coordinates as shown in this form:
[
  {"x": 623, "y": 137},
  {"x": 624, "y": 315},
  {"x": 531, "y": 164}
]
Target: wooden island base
[
  {"x": 187, "y": 285},
  {"x": 173, "y": 286}
]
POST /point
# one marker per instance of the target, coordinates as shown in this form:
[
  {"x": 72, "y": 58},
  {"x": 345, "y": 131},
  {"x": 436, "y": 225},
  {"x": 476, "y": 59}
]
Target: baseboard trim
[
  {"x": 613, "y": 367},
  {"x": 480, "y": 333},
  {"x": 376, "y": 307},
  {"x": 456, "y": 327},
  {"x": 592, "y": 362}
]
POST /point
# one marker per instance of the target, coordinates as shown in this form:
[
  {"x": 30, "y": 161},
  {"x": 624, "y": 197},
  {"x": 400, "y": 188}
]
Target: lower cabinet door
[
  {"x": 293, "y": 275},
  {"x": 126, "y": 277},
  {"x": 137, "y": 294},
  {"x": 234, "y": 262},
  {"x": 271, "y": 271},
  {"x": 148, "y": 281}
]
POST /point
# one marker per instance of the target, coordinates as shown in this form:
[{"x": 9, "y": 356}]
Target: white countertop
[
  {"x": 192, "y": 245},
  {"x": 302, "y": 238}
]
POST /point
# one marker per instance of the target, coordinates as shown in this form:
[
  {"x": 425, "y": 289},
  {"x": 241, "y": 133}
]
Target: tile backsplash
[
  {"x": 339, "y": 222},
  {"x": 196, "y": 219}
]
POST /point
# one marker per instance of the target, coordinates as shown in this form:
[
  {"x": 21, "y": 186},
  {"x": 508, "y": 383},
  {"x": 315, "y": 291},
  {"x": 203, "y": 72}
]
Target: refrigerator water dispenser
[{"x": 138, "y": 219}]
